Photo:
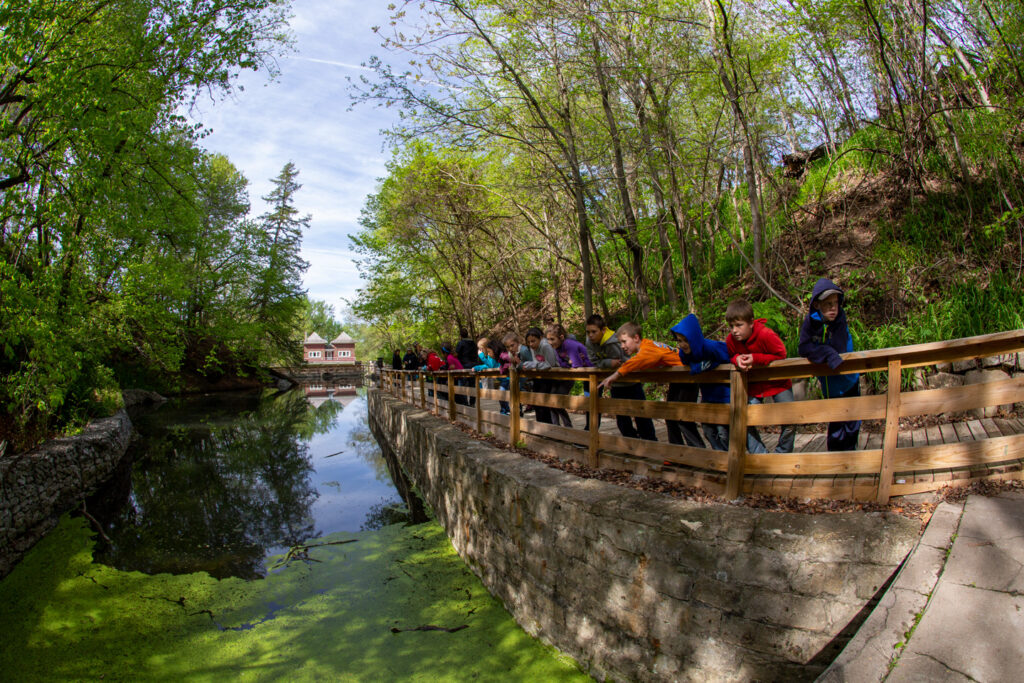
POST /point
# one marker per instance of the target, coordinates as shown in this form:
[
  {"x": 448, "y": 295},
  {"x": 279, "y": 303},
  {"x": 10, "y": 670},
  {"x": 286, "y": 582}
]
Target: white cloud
[{"x": 304, "y": 117}]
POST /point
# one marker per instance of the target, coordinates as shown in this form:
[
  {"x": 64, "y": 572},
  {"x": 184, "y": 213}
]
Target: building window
[
  {"x": 314, "y": 354},
  {"x": 329, "y": 354}
]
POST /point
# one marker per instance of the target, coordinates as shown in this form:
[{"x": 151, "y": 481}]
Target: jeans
[
  {"x": 680, "y": 432},
  {"x": 717, "y": 436},
  {"x": 542, "y": 386},
  {"x": 842, "y": 436},
  {"x": 786, "y": 439},
  {"x": 503, "y": 385},
  {"x": 644, "y": 425},
  {"x": 561, "y": 387},
  {"x": 462, "y": 399}
]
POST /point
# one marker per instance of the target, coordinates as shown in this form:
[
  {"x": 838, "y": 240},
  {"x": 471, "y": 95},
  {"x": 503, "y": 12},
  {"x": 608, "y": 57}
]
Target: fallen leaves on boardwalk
[{"x": 985, "y": 487}]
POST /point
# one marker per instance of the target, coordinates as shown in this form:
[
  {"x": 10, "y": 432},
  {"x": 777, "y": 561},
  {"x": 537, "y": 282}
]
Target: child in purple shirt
[{"x": 571, "y": 354}]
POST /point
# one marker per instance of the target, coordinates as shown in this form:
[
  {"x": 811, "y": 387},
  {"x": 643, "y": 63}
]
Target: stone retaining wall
[
  {"x": 38, "y": 486},
  {"x": 641, "y": 586}
]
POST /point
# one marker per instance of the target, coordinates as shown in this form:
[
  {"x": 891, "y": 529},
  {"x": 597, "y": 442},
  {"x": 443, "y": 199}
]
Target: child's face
[
  {"x": 684, "y": 345},
  {"x": 828, "y": 307},
  {"x": 630, "y": 343},
  {"x": 594, "y": 334},
  {"x": 741, "y": 329},
  {"x": 512, "y": 347},
  {"x": 533, "y": 342},
  {"x": 554, "y": 340}
]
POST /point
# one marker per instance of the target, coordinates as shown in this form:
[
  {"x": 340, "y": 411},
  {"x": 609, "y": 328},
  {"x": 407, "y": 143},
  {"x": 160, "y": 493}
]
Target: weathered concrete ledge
[
  {"x": 641, "y": 586},
  {"x": 38, "y": 486}
]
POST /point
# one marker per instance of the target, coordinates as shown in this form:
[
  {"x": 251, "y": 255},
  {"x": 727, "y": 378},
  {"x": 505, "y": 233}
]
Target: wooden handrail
[{"x": 736, "y": 467}]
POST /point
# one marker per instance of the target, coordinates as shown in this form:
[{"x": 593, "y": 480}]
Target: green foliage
[
  {"x": 967, "y": 309},
  {"x": 120, "y": 240}
]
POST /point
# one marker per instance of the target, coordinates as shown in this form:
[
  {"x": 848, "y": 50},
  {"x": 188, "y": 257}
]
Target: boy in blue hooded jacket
[
  {"x": 701, "y": 355},
  {"x": 824, "y": 335}
]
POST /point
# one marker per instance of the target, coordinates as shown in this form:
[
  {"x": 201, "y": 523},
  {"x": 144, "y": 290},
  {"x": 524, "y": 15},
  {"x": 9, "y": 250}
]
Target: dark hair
[
  {"x": 596, "y": 320},
  {"x": 739, "y": 309},
  {"x": 535, "y": 332},
  {"x": 495, "y": 346},
  {"x": 463, "y": 333},
  {"x": 556, "y": 330},
  {"x": 446, "y": 347}
]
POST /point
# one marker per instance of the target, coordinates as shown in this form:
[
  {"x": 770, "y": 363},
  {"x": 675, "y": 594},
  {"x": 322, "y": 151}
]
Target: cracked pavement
[
  {"x": 959, "y": 596},
  {"x": 972, "y": 628}
]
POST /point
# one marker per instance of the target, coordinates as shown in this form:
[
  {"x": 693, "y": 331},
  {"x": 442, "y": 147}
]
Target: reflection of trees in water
[
  {"x": 364, "y": 445},
  {"x": 214, "y": 494},
  {"x": 385, "y": 513}
]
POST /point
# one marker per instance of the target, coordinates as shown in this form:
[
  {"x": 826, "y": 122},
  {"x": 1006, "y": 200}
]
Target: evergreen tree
[{"x": 278, "y": 297}]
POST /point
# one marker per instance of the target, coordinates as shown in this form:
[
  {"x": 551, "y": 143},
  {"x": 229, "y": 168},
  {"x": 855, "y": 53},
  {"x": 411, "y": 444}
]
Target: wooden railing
[{"x": 896, "y": 465}]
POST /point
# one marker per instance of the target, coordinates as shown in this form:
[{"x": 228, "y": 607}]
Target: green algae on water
[{"x": 328, "y": 618}]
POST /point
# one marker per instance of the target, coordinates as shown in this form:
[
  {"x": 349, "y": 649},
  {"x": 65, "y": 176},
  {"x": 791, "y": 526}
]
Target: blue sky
[{"x": 303, "y": 117}]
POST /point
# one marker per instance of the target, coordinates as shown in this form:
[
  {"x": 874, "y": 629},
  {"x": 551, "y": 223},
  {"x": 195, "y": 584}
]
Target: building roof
[
  {"x": 315, "y": 339},
  {"x": 343, "y": 339}
]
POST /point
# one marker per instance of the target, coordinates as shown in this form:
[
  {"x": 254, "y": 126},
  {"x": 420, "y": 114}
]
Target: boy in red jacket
[{"x": 751, "y": 344}]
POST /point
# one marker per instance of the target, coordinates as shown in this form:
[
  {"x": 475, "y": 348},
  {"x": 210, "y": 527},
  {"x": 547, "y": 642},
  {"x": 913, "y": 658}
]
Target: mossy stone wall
[{"x": 641, "y": 586}]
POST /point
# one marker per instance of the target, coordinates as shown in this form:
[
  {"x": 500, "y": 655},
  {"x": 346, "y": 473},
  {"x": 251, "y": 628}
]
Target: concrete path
[{"x": 955, "y": 611}]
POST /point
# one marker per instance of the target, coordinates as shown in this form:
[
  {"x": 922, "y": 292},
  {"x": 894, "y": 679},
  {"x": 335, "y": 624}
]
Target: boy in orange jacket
[
  {"x": 646, "y": 354},
  {"x": 751, "y": 343}
]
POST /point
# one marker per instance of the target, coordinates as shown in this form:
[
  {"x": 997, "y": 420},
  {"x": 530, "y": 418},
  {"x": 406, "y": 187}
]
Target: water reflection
[
  {"x": 218, "y": 483},
  {"x": 318, "y": 394}
]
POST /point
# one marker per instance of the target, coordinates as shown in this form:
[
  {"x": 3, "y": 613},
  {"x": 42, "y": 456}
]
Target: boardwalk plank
[
  {"x": 991, "y": 429},
  {"x": 801, "y": 443},
  {"x": 948, "y": 433},
  {"x": 1005, "y": 426},
  {"x": 963, "y": 432},
  {"x": 977, "y": 430}
]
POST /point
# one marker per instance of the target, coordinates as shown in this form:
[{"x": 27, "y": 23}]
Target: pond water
[
  {"x": 258, "y": 538},
  {"x": 221, "y": 482}
]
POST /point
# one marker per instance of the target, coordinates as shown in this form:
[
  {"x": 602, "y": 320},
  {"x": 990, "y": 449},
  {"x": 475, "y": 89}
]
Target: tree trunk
[{"x": 628, "y": 230}]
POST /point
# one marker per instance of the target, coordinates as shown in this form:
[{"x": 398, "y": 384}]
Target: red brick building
[{"x": 342, "y": 349}]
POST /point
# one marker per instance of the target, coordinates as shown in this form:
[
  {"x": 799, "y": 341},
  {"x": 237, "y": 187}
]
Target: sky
[{"x": 303, "y": 117}]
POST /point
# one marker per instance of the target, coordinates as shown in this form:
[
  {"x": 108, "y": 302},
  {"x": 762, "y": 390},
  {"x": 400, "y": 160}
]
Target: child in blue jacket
[
  {"x": 701, "y": 355},
  {"x": 824, "y": 335}
]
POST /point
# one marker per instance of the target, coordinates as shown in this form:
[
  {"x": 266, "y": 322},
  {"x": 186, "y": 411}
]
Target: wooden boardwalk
[
  {"x": 859, "y": 486},
  {"x": 809, "y": 442}
]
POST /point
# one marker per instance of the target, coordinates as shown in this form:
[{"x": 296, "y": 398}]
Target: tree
[
  {"x": 277, "y": 294},
  {"x": 98, "y": 172}
]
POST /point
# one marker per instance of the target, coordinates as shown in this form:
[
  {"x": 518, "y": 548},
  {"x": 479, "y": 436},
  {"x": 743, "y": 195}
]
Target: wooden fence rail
[{"x": 895, "y": 464}]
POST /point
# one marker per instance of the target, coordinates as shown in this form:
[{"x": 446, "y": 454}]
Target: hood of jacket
[
  {"x": 823, "y": 285},
  {"x": 689, "y": 327}
]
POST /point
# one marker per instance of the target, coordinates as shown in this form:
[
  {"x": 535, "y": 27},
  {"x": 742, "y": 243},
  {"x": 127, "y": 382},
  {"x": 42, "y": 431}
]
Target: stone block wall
[
  {"x": 38, "y": 486},
  {"x": 641, "y": 586}
]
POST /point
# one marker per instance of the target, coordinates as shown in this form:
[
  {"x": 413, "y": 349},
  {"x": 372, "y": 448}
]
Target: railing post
[
  {"x": 423, "y": 391},
  {"x": 479, "y": 406},
  {"x": 892, "y": 430},
  {"x": 437, "y": 401},
  {"x": 451, "y": 397},
  {"x": 513, "y": 424},
  {"x": 401, "y": 385},
  {"x": 595, "y": 426},
  {"x": 737, "y": 433}
]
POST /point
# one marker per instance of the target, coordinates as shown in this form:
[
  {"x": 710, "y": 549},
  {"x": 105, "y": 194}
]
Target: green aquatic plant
[{"x": 333, "y": 617}]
